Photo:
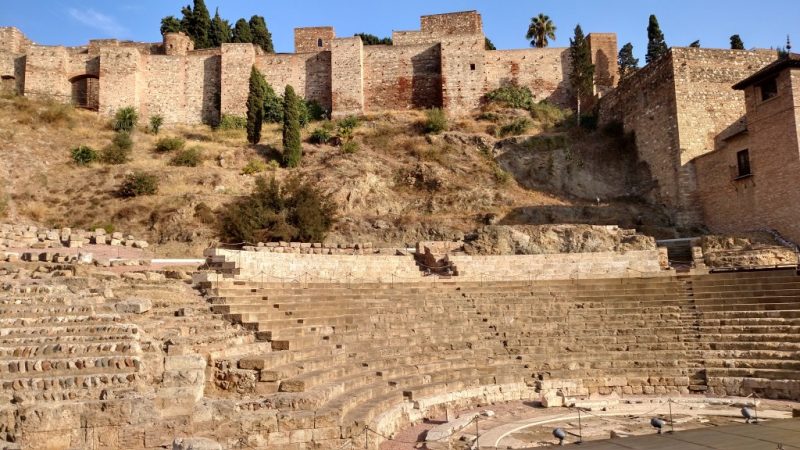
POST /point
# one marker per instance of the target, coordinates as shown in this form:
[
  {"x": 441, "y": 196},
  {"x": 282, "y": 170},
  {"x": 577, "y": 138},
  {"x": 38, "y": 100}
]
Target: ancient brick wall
[
  {"x": 237, "y": 60},
  {"x": 676, "y": 106},
  {"x": 603, "y": 48},
  {"x": 463, "y": 73},
  {"x": 402, "y": 77},
  {"x": 313, "y": 39},
  {"x": 769, "y": 197},
  {"x": 347, "y": 76},
  {"x": 545, "y": 71},
  {"x": 46, "y": 73},
  {"x": 468, "y": 22},
  {"x": 182, "y": 89},
  {"x": 121, "y": 78},
  {"x": 308, "y": 73}
]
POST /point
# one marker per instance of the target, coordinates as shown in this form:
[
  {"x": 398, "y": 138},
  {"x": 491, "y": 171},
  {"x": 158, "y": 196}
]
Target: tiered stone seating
[
  {"x": 749, "y": 328},
  {"x": 52, "y": 350},
  {"x": 354, "y": 353}
]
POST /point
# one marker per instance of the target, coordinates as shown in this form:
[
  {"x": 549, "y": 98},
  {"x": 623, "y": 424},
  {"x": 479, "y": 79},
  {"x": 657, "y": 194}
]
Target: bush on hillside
[
  {"x": 155, "y": 124},
  {"x": 138, "y": 184},
  {"x": 547, "y": 114},
  {"x": 55, "y": 113},
  {"x": 514, "y": 128},
  {"x": 125, "y": 119},
  {"x": 122, "y": 140},
  {"x": 231, "y": 122},
  {"x": 350, "y": 147},
  {"x": 115, "y": 154},
  {"x": 346, "y": 127},
  {"x": 511, "y": 96},
  {"x": 435, "y": 121},
  {"x": 169, "y": 144},
  {"x": 191, "y": 157},
  {"x": 254, "y": 166},
  {"x": 320, "y": 136},
  {"x": 295, "y": 211},
  {"x": 84, "y": 155}
]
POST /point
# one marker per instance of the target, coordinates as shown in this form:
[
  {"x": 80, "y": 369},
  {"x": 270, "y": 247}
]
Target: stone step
[
  {"x": 89, "y": 386},
  {"x": 100, "y": 348},
  {"x": 54, "y": 367}
]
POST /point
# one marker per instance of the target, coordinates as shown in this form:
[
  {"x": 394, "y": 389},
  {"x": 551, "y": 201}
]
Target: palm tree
[{"x": 540, "y": 30}]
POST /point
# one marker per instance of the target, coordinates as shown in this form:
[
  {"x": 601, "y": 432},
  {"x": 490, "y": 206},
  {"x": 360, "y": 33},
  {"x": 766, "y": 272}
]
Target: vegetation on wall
[
  {"x": 656, "y": 45},
  {"x": 206, "y": 32},
  {"x": 371, "y": 39},
  {"x": 628, "y": 65}
]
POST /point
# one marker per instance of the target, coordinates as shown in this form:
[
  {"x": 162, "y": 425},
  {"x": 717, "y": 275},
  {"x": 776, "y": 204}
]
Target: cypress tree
[
  {"x": 197, "y": 24},
  {"x": 170, "y": 24},
  {"x": 656, "y": 45},
  {"x": 255, "y": 106},
  {"x": 371, "y": 39},
  {"x": 220, "y": 30},
  {"x": 242, "y": 33},
  {"x": 261, "y": 35},
  {"x": 489, "y": 45},
  {"x": 292, "y": 151},
  {"x": 736, "y": 42},
  {"x": 627, "y": 63},
  {"x": 695, "y": 44},
  {"x": 582, "y": 73}
]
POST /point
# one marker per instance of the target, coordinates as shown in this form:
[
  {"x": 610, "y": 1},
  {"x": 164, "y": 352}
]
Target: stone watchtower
[
  {"x": 313, "y": 39},
  {"x": 177, "y": 44}
]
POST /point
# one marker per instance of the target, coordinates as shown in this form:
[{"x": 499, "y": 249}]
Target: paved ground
[{"x": 771, "y": 435}]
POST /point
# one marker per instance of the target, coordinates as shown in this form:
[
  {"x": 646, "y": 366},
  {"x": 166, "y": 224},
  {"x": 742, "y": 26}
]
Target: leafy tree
[
  {"x": 242, "y": 33},
  {"x": 695, "y": 44},
  {"x": 261, "y": 35},
  {"x": 371, "y": 39},
  {"x": 255, "y": 106},
  {"x": 656, "y": 45},
  {"x": 292, "y": 150},
  {"x": 197, "y": 23},
  {"x": 736, "y": 42},
  {"x": 582, "y": 72},
  {"x": 540, "y": 31},
  {"x": 220, "y": 30},
  {"x": 273, "y": 105},
  {"x": 627, "y": 63},
  {"x": 489, "y": 45},
  {"x": 295, "y": 211},
  {"x": 170, "y": 24}
]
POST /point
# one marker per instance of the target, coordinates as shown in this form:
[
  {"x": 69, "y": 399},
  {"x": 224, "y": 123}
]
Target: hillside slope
[{"x": 400, "y": 187}]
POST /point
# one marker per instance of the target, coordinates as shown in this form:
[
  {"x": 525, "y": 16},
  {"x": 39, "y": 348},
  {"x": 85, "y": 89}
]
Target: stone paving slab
[{"x": 762, "y": 436}]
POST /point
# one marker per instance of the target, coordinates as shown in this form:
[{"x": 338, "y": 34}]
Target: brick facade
[
  {"x": 443, "y": 64},
  {"x": 676, "y": 106},
  {"x": 768, "y": 196}
]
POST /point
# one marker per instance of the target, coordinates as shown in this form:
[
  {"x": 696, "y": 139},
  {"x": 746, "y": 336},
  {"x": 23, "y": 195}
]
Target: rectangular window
[
  {"x": 768, "y": 89},
  {"x": 472, "y": 67},
  {"x": 743, "y": 163}
]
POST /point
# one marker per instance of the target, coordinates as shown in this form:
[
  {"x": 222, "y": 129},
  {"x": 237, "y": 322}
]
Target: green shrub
[
  {"x": 169, "y": 144},
  {"x": 435, "y": 121},
  {"x": 273, "y": 106},
  {"x": 320, "y": 136},
  {"x": 315, "y": 111},
  {"x": 191, "y": 157},
  {"x": 547, "y": 114},
  {"x": 350, "y": 147},
  {"x": 123, "y": 140},
  {"x": 125, "y": 119},
  {"x": 231, "y": 122},
  {"x": 138, "y": 184},
  {"x": 511, "y": 96},
  {"x": 114, "y": 154},
  {"x": 155, "y": 124},
  {"x": 489, "y": 117},
  {"x": 514, "y": 128},
  {"x": 346, "y": 127},
  {"x": 501, "y": 176},
  {"x": 84, "y": 155},
  {"x": 294, "y": 211},
  {"x": 254, "y": 166}
]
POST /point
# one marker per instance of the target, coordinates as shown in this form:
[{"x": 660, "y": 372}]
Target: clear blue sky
[{"x": 763, "y": 23}]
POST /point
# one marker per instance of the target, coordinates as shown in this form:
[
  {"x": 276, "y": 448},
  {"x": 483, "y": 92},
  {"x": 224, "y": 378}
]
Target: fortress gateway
[{"x": 444, "y": 64}]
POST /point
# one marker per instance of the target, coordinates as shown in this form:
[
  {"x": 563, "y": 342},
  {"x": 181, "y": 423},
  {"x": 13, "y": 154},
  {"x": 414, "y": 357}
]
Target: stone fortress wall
[
  {"x": 444, "y": 64},
  {"x": 677, "y": 106}
]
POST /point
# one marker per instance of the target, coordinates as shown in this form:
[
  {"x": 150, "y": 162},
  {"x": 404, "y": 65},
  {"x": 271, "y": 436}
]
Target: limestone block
[
  {"x": 134, "y": 306},
  {"x": 551, "y": 399},
  {"x": 85, "y": 258},
  {"x": 118, "y": 236},
  {"x": 134, "y": 276},
  {"x": 140, "y": 244},
  {"x": 184, "y": 362},
  {"x": 115, "y": 242},
  {"x": 195, "y": 444},
  {"x": 76, "y": 243}
]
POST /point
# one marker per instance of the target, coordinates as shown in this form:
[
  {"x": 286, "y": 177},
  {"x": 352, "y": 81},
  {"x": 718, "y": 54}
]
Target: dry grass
[{"x": 44, "y": 186}]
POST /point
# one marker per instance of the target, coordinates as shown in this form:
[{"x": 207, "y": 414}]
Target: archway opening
[{"x": 86, "y": 92}]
